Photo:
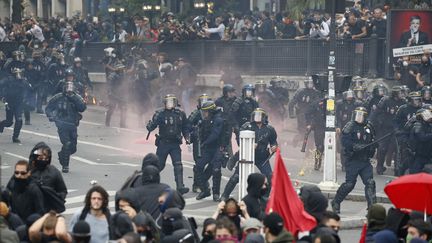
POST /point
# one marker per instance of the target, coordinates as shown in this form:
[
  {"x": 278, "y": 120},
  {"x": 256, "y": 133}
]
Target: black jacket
[
  {"x": 27, "y": 200},
  {"x": 255, "y": 203}
]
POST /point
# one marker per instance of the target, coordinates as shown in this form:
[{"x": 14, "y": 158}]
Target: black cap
[
  {"x": 274, "y": 222},
  {"x": 81, "y": 229}
]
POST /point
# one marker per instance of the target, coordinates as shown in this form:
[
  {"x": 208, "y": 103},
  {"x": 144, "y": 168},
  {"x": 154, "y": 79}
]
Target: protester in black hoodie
[{"x": 254, "y": 200}]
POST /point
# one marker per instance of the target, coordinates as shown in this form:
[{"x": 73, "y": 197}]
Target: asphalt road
[{"x": 110, "y": 154}]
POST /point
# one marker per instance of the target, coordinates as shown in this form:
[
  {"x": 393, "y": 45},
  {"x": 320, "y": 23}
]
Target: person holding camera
[{"x": 319, "y": 28}]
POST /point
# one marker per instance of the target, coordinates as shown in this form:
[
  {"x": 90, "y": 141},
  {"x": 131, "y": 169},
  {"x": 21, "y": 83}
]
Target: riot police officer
[
  {"x": 357, "y": 137},
  {"x": 56, "y": 70},
  {"x": 421, "y": 139},
  {"x": 243, "y": 106},
  {"x": 12, "y": 91},
  {"x": 266, "y": 98},
  {"x": 404, "y": 113},
  {"x": 70, "y": 76},
  {"x": 81, "y": 76},
  {"x": 17, "y": 61},
  {"x": 142, "y": 88},
  {"x": 426, "y": 92},
  {"x": 65, "y": 110},
  {"x": 280, "y": 89},
  {"x": 211, "y": 136},
  {"x": 359, "y": 95},
  {"x": 315, "y": 120},
  {"x": 378, "y": 92},
  {"x": 300, "y": 103},
  {"x": 194, "y": 120},
  {"x": 30, "y": 75},
  {"x": 380, "y": 118},
  {"x": 265, "y": 139},
  {"x": 116, "y": 96},
  {"x": 172, "y": 123},
  {"x": 40, "y": 80},
  {"x": 344, "y": 109}
]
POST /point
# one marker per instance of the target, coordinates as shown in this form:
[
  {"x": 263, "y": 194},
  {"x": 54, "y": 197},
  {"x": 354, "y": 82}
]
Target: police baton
[
  {"x": 268, "y": 158},
  {"x": 378, "y": 140},
  {"x": 148, "y": 135}
]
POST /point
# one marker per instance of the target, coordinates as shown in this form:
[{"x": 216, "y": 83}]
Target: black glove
[{"x": 358, "y": 147}]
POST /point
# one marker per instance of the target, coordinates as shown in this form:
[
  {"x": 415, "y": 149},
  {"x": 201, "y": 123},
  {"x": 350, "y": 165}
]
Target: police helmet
[
  {"x": 207, "y": 109},
  {"x": 348, "y": 95},
  {"x": 2, "y": 56},
  {"x": 259, "y": 115},
  {"x": 405, "y": 91},
  {"x": 426, "y": 92},
  {"x": 379, "y": 90},
  {"x": 202, "y": 99},
  {"x": 227, "y": 88},
  {"x": 357, "y": 81},
  {"x": 69, "y": 72},
  {"x": 396, "y": 92},
  {"x": 248, "y": 90},
  {"x": 69, "y": 87},
  {"x": 308, "y": 83},
  {"x": 260, "y": 86},
  {"x": 359, "y": 92},
  {"x": 415, "y": 99},
  {"x": 359, "y": 115},
  {"x": 424, "y": 114},
  {"x": 170, "y": 101},
  {"x": 77, "y": 60},
  {"x": 110, "y": 52}
]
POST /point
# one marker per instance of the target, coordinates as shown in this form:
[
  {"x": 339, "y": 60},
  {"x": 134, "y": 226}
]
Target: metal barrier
[{"x": 269, "y": 57}]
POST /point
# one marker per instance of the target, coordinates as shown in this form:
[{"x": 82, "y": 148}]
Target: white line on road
[
  {"x": 3, "y": 167},
  {"x": 80, "y": 198},
  {"x": 16, "y": 155},
  {"x": 91, "y": 123},
  {"x": 89, "y": 162}
]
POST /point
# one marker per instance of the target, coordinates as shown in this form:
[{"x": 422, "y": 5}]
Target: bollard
[{"x": 246, "y": 160}]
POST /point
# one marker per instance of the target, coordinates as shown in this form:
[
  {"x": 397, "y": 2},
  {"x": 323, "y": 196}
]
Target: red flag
[{"x": 285, "y": 201}]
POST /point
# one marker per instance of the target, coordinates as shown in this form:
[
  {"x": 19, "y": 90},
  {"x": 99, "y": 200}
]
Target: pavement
[{"x": 109, "y": 155}]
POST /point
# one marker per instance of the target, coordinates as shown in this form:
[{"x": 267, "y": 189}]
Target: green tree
[{"x": 296, "y": 7}]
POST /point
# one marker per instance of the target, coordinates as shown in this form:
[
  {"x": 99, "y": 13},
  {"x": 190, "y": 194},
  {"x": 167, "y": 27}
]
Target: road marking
[
  {"x": 3, "y": 167},
  {"x": 80, "y": 198},
  {"x": 128, "y": 164},
  {"x": 16, "y": 155},
  {"x": 89, "y": 162},
  {"x": 70, "y": 211},
  {"x": 91, "y": 123}
]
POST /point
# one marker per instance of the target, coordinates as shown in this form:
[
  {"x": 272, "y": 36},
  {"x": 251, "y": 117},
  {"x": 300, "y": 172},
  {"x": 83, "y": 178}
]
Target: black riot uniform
[
  {"x": 65, "y": 110},
  {"x": 299, "y": 104},
  {"x": 116, "y": 95},
  {"x": 225, "y": 102},
  {"x": 381, "y": 119},
  {"x": 357, "y": 136},
  {"x": 378, "y": 93},
  {"x": 265, "y": 136},
  {"x": 17, "y": 61},
  {"x": 404, "y": 113},
  {"x": 30, "y": 75},
  {"x": 82, "y": 77},
  {"x": 12, "y": 91},
  {"x": 172, "y": 123},
  {"x": 280, "y": 89},
  {"x": 267, "y": 99},
  {"x": 316, "y": 121},
  {"x": 194, "y": 120},
  {"x": 213, "y": 140},
  {"x": 40, "y": 81},
  {"x": 243, "y": 106},
  {"x": 420, "y": 140},
  {"x": 55, "y": 71}
]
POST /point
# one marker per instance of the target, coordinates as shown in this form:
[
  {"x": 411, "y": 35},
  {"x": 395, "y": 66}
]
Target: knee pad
[
  {"x": 217, "y": 172},
  {"x": 8, "y": 123},
  {"x": 349, "y": 185}
]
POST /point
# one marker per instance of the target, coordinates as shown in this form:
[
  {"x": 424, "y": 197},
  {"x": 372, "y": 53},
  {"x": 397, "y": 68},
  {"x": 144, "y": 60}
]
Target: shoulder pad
[
  {"x": 348, "y": 127},
  {"x": 56, "y": 96}
]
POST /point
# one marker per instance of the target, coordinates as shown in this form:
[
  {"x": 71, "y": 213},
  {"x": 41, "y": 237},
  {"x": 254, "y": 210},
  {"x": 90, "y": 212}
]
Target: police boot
[
  {"x": 178, "y": 175},
  {"x": 370, "y": 192},
  {"x": 232, "y": 183},
  {"x": 335, "y": 206},
  {"x": 205, "y": 192},
  {"x": 64, "y": 161},
  {"x": 15, "y": 140},
  {"x": 232, "y": 161},
  {"x": 216, "y": 185}
]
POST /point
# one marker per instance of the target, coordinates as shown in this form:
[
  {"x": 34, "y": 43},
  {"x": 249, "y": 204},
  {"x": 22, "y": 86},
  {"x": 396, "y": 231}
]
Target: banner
[{"x": 412, "y": 50}]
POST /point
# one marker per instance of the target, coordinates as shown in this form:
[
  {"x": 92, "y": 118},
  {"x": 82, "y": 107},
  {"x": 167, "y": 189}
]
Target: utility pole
[{"x": 329, "y": 169}]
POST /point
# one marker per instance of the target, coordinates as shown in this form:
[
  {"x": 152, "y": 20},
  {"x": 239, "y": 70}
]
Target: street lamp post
[{"x": 329, "y": 169}]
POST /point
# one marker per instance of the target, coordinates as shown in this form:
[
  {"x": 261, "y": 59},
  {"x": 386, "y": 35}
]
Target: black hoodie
[{"x": 254, "y": 200}]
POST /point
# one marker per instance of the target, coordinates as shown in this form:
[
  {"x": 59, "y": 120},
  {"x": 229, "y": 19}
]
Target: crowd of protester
[
  {"x": 357, "y": 22},
  {"x": 148, "y": 210}
]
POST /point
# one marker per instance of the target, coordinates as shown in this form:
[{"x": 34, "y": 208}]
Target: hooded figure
[
  {"x": 376, "y": 218},
  {"x": 146, "y": 226},
  {"x": 385, "y": 236},
  {"x": 120, "y": 225},
  {"x": 129, "y": 196},
  {"x": 315, "y": 203},
  {"x": 254, "y": 200},
  {"x": 150, "y": 190}
]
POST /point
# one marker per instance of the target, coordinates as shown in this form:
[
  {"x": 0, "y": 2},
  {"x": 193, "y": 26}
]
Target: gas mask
[{"x": 69, "y": 87}]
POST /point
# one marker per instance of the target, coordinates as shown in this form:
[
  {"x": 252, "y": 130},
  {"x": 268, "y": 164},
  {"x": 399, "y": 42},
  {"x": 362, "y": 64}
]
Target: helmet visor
[
  {"x": 416, "y": 102},
  {"x": 248, "y": 93},
  {"x": 205, "y": 114},
  {"x": 257, "y": 116},
  {"x": 202, "y": 100},
  {"x": 170, "y": 103},
  {"x": 381, "y": 92},
  {"x": 69, "y": 87},
  {"x": 427, "y": 95},
  {"x": 359, "y": 116}
]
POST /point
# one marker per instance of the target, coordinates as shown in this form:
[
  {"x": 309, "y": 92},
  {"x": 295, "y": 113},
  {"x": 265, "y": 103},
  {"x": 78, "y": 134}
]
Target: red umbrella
[{"x": 411, "y": 192}]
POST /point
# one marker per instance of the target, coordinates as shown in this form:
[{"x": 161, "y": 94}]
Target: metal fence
[{"x": 269, "y": 57}]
